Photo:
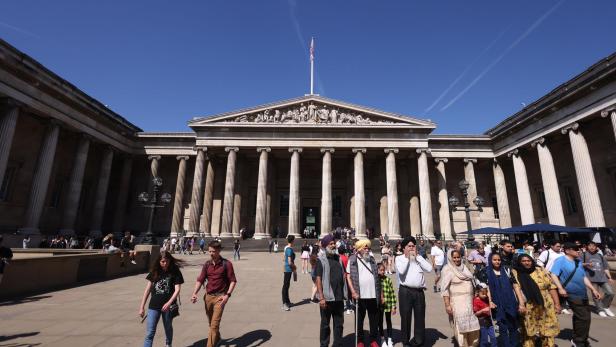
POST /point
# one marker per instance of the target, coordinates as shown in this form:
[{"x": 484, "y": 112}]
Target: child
[
  {"x": 481, "y": 307},
  {"x": 388, "y": 307}
]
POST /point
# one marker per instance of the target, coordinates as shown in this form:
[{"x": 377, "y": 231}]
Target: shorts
[
  {"x": 438, "y": 269},
  {"x": 305, "y": 255}
]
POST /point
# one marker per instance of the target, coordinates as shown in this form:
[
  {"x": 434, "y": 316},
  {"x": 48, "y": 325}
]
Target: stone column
[
  {"x": 120, "y": 210},
  {"x": 154, "y": 159},
  {"x": 178, "y": 201},
  {"x": 589, "y": 194},
  {"x": 271, "y": 186},
  {"x": 237, "y": 201},
  {"x": 40, "y": 181},
  {"x": 294, "y": 193},
  {"x": 414, "y": 209},
  {"x": 521, "y": 181},
  {"x": 197, "y": 191},
  {"x": 360, "y": 194},
  {"x": 8, "y": 123},
  {"x": 261, "y": 209},
  {"x": 208, "y": 198},
  {"x": 75, "y": 186},
  {"x": 425, "y": 200},
  {"x": 443, "y": 200},
  {"x": 326, "y": 192},
  {"x": 469, "y": 176},
  {"x": 504, "y": 216},
  {"x": 100, "y": 199},
  {"x": 227, "y": 205},
  {"x": 608, "y": 112},
  {"x": 393, "y": 214},
  {"x": 550, "y": 183}
]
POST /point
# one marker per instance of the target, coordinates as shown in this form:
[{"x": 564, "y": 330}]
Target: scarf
[
  {"x": 502, "y": 292},
  {"x": 462, "y": 272},
  {"x": 529, "y": 286}
]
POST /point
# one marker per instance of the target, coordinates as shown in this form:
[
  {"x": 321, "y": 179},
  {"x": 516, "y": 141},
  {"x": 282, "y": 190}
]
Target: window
[
  {"x": 570, "y": 200},
  {"x": 56, "y": 193},
  {"x": 543, "y": 204},
  {"x": 495, "y": 207},
  {"x": 7, "y": 183},
  {"x": 337, "y": 206},
  {"x": 284, "y": 205}
]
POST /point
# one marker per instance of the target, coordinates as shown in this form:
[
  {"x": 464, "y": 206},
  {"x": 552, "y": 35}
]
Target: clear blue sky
[{"x": 464, "y": 64}]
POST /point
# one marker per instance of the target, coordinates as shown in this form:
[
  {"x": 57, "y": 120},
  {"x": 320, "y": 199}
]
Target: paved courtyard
[{"x": 105, "y": 314}]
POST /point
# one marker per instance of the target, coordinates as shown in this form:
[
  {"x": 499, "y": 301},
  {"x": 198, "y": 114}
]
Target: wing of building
[{"x": 304, "y": 166}]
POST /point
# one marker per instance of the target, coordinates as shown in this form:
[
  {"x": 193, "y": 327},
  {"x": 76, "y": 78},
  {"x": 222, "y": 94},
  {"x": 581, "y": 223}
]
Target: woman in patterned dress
[{"x": 541, "y": 301}]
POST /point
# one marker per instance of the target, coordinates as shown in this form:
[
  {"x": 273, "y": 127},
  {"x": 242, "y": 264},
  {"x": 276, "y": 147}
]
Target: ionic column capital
[
  {"x": 608, "y": 111},
  {"x": 441, "y": 160},
  {"x": 571, "y": 127},
  {"x": 182, "y": 157},
  {"x": 469, "y": 160},
  {"x": 358, "y": 150},
  {"x": 152, "y": 157},
  {"x": 539, "y": 141},
  {"x": 199, "y": 148},
  {"x": 391, "y": 150},
  {"x": 327, "y": 149},
  {"x": 513, "y": 153},
  {"x": 295, "y": 149},
  {"x": 229, "y": 149},
  {"x": 261, "y": 149},
  {"x": 423, "y": 150}
]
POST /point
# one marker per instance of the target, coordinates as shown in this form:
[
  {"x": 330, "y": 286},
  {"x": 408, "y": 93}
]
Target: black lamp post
[
  {"x": 454, "y": 202},
  {"x": 153, "y": 201}
]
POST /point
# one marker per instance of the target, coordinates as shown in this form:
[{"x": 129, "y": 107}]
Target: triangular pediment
[{"x": 310, "y": 110}]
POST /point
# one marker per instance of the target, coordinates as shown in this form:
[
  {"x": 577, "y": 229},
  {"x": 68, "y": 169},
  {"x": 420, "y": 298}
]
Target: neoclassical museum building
[{"x": 68, "y": 164}]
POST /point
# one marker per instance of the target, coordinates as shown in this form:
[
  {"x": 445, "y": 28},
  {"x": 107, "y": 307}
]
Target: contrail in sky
[
  {"x": 464, "y": 72},
  {"x": 302, "y": 41},
  {"x": 26, "y": 32},
  {"x": 500, "y": 57}
]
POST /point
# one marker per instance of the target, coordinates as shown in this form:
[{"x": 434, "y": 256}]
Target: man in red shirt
[{"x": 220, "y": 284}]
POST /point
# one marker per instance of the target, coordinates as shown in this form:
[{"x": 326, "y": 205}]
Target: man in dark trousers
[
  {"x": 410, "y": 268},
  {"x": 332, "y": 290}
]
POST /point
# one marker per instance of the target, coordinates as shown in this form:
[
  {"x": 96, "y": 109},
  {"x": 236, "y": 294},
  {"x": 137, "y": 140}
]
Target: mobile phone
[{"x": 144, "y": 317}]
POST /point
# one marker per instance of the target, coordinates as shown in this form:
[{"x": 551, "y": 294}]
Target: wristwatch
[{"x": 228, "y": 294}]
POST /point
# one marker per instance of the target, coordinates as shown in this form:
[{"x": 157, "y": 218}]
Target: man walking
[
  {"x": 220, "y": 277},
  {"x": 289, "y": 270},
  {"x": 508, "y": 255},
  {"x": 438, "y": 259},
  {"x": 332, "y": 290},
  {"x": 599, "y": 275},
  {"x": 410, "y": 268},
  {"x": 549, "y": 256},
  {"x": 363, "y": 280},
  {"x": 569, "y": 276},
  {"x": 5, "y": 257}
]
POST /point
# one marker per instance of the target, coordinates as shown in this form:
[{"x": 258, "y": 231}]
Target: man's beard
[
  {"x": 365, "y": 256},
  {"x": 330, "y": 252}
]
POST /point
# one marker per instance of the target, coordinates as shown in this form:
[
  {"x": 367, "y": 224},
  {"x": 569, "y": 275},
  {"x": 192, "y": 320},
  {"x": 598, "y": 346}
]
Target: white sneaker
[
  {"x": 384, "y": 343},
  {"x": 609, "y": 312},
  {"x": 133, "y": 262},
  {"x": 390, "y": 342},
  {"x": 285, "y": 307},
  {"x": 573, "y": 344},
  {"x": 602, "y": 314},
  {"x": 566, "y": 311}
]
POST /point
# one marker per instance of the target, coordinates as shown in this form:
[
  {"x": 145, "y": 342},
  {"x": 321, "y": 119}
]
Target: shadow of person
[
  {"x": 250, "y": 339},
  {"x": 11, "y": 337},
  {"x": 24, "y": 300},
  {"x": 300, "y": 303}
]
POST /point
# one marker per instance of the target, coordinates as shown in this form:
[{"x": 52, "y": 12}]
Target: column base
[
  {"x": 395, "y": 237},
  {"x": 29, "y": 231},
  {"x": 226, "y": 235},
  {"x": 260, "y": 236},
  {"x": 67, "y": 232}
]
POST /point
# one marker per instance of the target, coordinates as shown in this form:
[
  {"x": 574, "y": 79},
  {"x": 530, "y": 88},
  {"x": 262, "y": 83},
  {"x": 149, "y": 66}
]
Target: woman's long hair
[{"x": 174, "y": 265}]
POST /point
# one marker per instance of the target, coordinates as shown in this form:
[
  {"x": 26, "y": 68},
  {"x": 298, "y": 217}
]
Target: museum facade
[{"x": 71, "y": 165}]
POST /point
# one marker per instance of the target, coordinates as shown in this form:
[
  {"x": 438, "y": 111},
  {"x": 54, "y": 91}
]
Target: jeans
[
  {"x": 412, "y": 301},
  {"x": 487, "y": 337},
  {"x": 581, "y": 321},
  {"x": 508, "y": 332},
  {"x": 335, "y": 311},
  {"x": 608, "y": 295},
  {"x": 236, "y": 254},
  {"x": 152, "y": 322},
  {"x": 285, "y": 288},
  {"x": 369, "y": 305}
]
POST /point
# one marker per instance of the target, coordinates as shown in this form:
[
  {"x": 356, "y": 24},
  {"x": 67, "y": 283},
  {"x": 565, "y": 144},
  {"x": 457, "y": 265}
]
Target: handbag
[{"x": 174, "y": 309}]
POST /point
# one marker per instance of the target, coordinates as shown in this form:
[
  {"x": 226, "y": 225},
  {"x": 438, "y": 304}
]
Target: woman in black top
[{"x": 164, "y": 282}]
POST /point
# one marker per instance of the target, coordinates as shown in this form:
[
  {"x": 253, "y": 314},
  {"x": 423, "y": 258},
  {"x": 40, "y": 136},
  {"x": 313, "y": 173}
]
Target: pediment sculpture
[{"x": 309, "y": 113}]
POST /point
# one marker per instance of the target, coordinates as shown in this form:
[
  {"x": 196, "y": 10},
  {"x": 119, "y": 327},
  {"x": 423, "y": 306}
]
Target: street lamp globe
[
  {"x": 453, "y": 201},
  {"x": 165, "y": 198},
  {"x": 479, "y": 202},
  {"x": 157, "y": 181},
  {"x": 144, "y": 197},
  {"x": 463, "y": 185}
]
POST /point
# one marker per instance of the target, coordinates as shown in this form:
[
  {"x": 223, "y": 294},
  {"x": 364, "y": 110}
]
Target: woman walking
[
  {"x": 236, "y": 249},
  {"x": 163, "y": 288},
  {"x": 542, "y": 303},
  {"x": 504, "y": 299},
  {"x": 305, "y": 255},
  {"x": 458, "y": 292}
]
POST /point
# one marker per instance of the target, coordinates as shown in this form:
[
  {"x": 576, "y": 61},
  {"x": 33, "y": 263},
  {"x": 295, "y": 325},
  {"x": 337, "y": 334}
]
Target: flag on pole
[{"x": 312, "y": 49}]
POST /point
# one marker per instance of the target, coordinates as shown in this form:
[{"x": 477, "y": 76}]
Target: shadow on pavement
[
  {"x": 16, "y": 336},
  {"x": 251, "y": 339},
  {"x": 431, "y": 338},
  {"x": 24, "y": 300},
  {"x": 300, "y": 303}
]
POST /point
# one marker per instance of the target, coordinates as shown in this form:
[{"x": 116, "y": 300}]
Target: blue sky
[{"x": 466, "y": 65}]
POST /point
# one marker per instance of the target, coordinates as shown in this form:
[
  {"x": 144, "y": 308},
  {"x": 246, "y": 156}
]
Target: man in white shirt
[
  {"x": 438, "y": 259},
  {"x": 547, "y": 257},
  {"x": 410, "y": 268}
]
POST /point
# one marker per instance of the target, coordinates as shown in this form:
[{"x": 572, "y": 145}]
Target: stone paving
[{"x": 105, "y": 314}]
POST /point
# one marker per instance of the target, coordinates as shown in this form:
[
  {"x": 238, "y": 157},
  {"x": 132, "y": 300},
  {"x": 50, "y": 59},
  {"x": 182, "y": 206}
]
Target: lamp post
[
  {"x": 153, "y": 201},
  {"x": 454, "y": 202}
]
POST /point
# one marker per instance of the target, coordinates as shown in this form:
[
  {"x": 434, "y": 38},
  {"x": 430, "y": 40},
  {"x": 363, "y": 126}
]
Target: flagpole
[{"x": 312, "y": 66}]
